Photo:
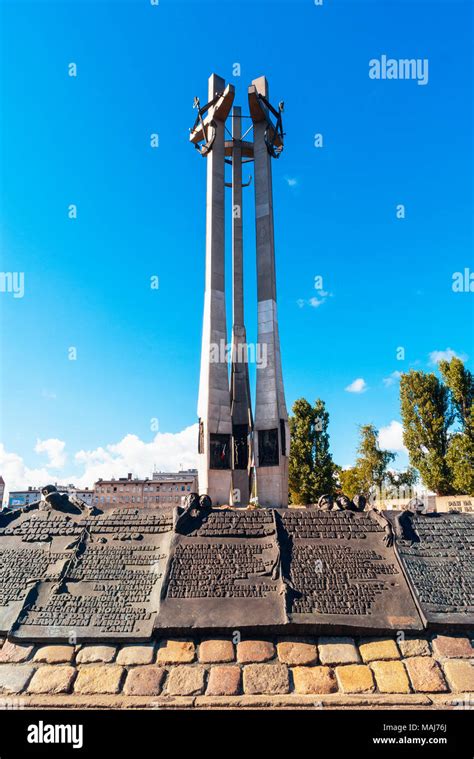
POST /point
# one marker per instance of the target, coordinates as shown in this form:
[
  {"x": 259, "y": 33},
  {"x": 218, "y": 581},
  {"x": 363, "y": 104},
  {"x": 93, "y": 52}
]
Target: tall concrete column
[
  {"x": 239, "y": 383},
  {"x": 271, "y": 431},
  {"x": 215, "y": 425}
]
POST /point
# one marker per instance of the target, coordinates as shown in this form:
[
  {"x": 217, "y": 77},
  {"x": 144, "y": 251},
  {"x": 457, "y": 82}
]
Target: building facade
[
  {"x": 162, "y": 489},
  {"x": 17, "y": 499}
]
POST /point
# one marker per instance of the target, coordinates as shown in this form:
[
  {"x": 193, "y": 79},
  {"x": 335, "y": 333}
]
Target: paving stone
[
  {"x": 133, "y": 654},
  {"x": 355, "y": 678},
  {"x": 176, "y": 652},
  {"x": 297, "y": 651},
  {"x": 224, "y": 681},
  {"x": 14, "y": 677},
  {"x": 249, "y": 651},
  {"x": 144, "y": 681},
  {"x": 452, "y": 647},
  {"x": 287, "y": 701},
  {"x": 99, "y": 678},
  {"x": 55, "y": 654},
  {"x": 414, "y": 647},
  {"x": 14, "y": 652},
  {"x": 425, "y": 675},
  {"x": 186, "y": 681},
  {"x": 460, "y": 675},
  {"x": 337, "y": 651},
  {"x": 391, "y": 677},
  {"x": 266, "y": 678},
  {"x": 216, "y": 650},
  {"x": 378, "y": 649},
  {"x": 52, "y": 679},
  {"x": 314, "y": 680},
  {"x": 93, "y": 654}
]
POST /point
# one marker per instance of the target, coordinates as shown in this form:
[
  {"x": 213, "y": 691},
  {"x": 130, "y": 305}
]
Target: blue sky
[{"x": 141, "y": 212}]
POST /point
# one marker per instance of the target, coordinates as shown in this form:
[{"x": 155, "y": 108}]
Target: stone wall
[{"x": 316, "y": 673}]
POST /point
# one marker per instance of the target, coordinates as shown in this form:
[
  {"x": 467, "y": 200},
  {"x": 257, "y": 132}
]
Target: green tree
[
  {"x": 350, "y": 481},
  {"x": 460, "y": 454},
  {"x": 460, "y": 382},
  {"x": 404, "y": 479},
  {"x": 311, "y": 468},
  {"x": 324, "y": 469},
  {"x": 301, "y": 465},
  {"x": 460, "y": 460},
  {"x": 427, "y": 416},
  {"x": 372, "y": 462}
]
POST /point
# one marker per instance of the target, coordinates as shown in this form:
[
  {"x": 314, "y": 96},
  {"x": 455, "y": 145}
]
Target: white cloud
[
  {"x": 446, "y": 355},
  {"x": 49, "y": 395},
  {"x": 291, "y": 181},
  {"x": 167, "y": 451},
  {"x": 391, "y": 379},
  {"x": 391, "y": 437},
  {"x": 54, "y": 449},
  {"x": 17, "y": 474},
  {"x": 315, "y": 301},
  {"x": 358, "y": 386}
]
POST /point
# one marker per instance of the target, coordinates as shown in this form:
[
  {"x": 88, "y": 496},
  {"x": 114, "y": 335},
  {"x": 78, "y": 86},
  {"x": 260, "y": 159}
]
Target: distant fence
[{"x": 444, "y": 503}]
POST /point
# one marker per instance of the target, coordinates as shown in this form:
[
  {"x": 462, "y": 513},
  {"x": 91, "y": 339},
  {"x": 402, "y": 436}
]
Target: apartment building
[{"x": 161, "y": 489}]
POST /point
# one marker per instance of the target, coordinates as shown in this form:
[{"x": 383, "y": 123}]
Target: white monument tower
[{"x": 229, "y": 441}]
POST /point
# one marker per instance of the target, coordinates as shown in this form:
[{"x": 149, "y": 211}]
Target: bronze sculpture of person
[
  {"x": 360, "y": 502},
  {"x": 344, "y": 503},
  {"x": 325, "y": 502}
]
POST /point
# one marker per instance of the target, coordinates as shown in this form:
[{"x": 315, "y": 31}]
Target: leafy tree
[
  {"x": 372, "y": 462},
  {"x": 460, "y": 455},
  {"x": 427, "y": 416},
  {"x": 324, "y": 470},
  {"x": 350, "y": 481},
  {"x": 460, "y": 460},
  {"x": 311, "y": 468},
  {"x": 400, "y": 484},
  {"x": 301, "y": 463},
  {"x": 460, "y": 382},
  {"x": 405, "y": 479},
  {"x": 371, "y": 469}
]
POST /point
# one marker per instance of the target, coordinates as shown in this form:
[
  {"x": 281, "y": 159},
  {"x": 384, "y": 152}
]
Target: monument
[
  {"x": 436, "y": 554},
  {"x": 68, "y": 570},
  {"x": 229, "y": 440}
]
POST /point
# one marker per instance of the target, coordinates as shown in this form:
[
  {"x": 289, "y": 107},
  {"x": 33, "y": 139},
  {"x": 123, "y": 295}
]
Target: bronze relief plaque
[
  {"x": 437, "y": 554},
  {"x": 223, "y": 573},
  {"x": 342, "y": 575},
  {"x": 34, "y": 545},
  {"x": 110, "y": 585}
]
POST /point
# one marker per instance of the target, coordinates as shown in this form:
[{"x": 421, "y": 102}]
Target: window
[
  {"x": 201, "y": 437},
  {"x": 268, "y": 447},
  {"x": 283, "y": 437},
  {"x": 219, "y": 451},
  {"x": 241, "y": 453}
]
